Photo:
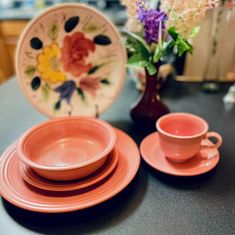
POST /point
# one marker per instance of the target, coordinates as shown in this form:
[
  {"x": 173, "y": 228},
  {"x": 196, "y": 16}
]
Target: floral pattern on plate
[{"x": 71, "y": 61}]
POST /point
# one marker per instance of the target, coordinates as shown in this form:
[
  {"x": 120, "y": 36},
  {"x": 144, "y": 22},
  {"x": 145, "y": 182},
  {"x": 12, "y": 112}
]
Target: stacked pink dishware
[{"x": 67, "y": 164}]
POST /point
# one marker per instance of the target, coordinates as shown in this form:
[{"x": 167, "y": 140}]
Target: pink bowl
[{"x": 67, "y": 148}]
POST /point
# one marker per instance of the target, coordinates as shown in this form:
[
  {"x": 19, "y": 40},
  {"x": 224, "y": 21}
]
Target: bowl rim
[{"x": 104, "y": 153}]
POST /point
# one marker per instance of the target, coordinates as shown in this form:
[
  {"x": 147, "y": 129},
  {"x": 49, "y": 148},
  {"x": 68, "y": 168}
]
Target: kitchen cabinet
[{"x": 10, "y": 31}]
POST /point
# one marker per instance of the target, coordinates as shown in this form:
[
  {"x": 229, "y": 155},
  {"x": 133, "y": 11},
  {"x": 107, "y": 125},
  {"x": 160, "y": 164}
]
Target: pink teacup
[{"x": 181, "y": 136}]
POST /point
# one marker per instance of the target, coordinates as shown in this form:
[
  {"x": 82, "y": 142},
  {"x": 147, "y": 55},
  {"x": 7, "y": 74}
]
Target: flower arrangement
[{"x": 153, "y": 33}]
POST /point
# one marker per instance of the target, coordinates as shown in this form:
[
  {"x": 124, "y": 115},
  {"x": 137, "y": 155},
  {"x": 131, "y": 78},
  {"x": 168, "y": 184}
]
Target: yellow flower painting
[{"x": 49, "y": 64}]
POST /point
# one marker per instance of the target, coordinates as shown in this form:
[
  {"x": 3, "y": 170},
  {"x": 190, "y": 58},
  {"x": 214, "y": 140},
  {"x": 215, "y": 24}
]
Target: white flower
[
  {"x": 185, "y": 15},
  {"x": 133, "y": 25}
]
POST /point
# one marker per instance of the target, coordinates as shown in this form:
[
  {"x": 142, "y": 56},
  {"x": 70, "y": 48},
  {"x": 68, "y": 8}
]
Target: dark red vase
[{"x": 149, "y": 107}]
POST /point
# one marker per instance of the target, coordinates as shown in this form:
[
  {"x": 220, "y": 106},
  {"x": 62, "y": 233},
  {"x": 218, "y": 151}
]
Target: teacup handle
[
  {"x": 213, "y": 147},
  {"x": 215, "y": 135}
]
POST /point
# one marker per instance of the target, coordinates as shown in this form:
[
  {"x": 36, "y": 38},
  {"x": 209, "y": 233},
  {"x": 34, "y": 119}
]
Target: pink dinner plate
[
  {"x": 15, "y": 190},
  {"x": 151, "y": 152},
  {"x": 70, "y": 60},
  {"x": 35, "y": 180}
]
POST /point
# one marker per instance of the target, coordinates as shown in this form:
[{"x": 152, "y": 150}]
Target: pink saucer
[
  {"x": 15, "y": 190},
  {"x": 35, "y": 180},
  {"x": 203, "y": 162}
]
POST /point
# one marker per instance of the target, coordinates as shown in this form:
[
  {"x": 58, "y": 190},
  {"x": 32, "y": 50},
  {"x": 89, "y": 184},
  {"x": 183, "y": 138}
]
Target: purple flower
[
  {"x": 151, "y": 19},
  {"x": 66, "y": 90}
]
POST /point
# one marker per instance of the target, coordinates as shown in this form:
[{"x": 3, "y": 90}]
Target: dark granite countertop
[{"x": 154, "y": 203}]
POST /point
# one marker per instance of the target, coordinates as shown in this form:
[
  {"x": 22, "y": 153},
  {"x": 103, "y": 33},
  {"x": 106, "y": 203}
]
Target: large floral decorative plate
[{"x": 70, "y": 60}]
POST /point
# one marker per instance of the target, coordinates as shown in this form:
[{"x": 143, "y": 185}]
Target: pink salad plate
[
  {"x": 15, "y": 190},
  {"x": 67, "y": 148},
  {"x": 152, "y": 154},
  {"x": 35, "y": 180},
  {"x": 70, "y": 60}
]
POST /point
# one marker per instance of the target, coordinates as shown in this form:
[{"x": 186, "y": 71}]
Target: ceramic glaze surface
[
  {"x": 183, "y": 125},
  {"x": 15, "y": 190},
  {"x": 201, "y": 163},
  {"x": 72, "y": 147},
  {"x": 149, "y": 108},
  {"x": 181, "y": 135},
  {"x": 35, "y": 180},
  {"x": 67, "y": 151},
  {"x": 71, "y": 60}
]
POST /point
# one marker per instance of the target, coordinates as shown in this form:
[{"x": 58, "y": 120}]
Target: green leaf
[
  {"x": 105, "y": 81},
  {"x": 53, "y": 31},
  {"x": 190, "y": 50},
  {"x": 172, "y": 32},
  {"x": 195, "y": 31},
  {"x": 142, "y": 50},
  {"x": 30, "y": 70},
  {"x": 183, "y": 46},
  {"x": 137, "y": 60},
  {"x": 158, "y": 53},
  {"x": 46, "y": 89},
  {"x": 136, "y": 47},
  {"x": 81, "y": 93},
  {"x": 57, "y": 105},
  {"x": 151, "y": 68},
  {"x": 169, "y": 47},
  {"x": 139, "y": 39}
]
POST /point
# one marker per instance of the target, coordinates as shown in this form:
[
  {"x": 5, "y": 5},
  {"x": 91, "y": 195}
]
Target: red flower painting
[
  {"x": 75, "y": 50},
  {"x": 90, "y": 85}
]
